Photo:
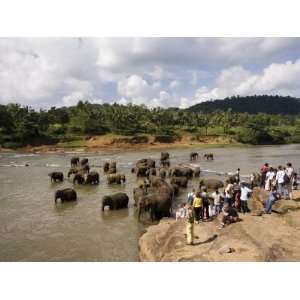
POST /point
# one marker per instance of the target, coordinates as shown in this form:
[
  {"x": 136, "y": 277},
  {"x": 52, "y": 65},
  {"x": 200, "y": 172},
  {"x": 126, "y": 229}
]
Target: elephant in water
[
  {"x": 56, "y": 176},
  {"x": 92, "y": 178},
  {"x": 74, "y": 161},
  {"x": 209, "y": 156},
  {"x": 194, "y": 156},
  {"x": 146, "y": 162},
  {"x": 84, "y": 161},
  {"x": 211, "y": 183},
  {"x": 115, "y": 201},
  {"x": 180, "y": 181},
  {"x": 78, "y": 178},
  {"x": 164, "y": 156},
  {"x": 197, "y": 172},
  {"x": 106, "y": 167},
  {"x": 165, "y": 163},
  {"x": 162, "y": 173},
  {"x": 116, "y": 178},
  {"x": 65, "y": 195},
  {"x": 182, "y": 172}
]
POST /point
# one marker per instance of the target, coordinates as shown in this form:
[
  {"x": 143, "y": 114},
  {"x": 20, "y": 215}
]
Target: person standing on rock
[
  {"x": 280, "y": 181},
  {"x": 273, "y": 196},
  {"x": 205, "y": 208},
  {"x": 218, "y": 199},
  {"x": 289, "y": 181},
  {"x": 228, "y": 193},
  {"x": 190, "y": 225},
  {"x": 264, "y": 169},
  {"x": 245, "y": 194},
  {"x": 198, "y": 207}
]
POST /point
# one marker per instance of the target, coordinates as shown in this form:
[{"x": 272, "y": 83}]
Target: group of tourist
[{"x": 203, "y": 206}]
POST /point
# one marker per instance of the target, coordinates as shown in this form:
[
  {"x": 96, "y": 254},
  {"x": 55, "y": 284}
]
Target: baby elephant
[
  {"x": 65, "y": 195},
  {"x": 92, "y": 178},
  {"x": 180, "y": 181},
  {"x": 56, "y": 176},
  {"x": 115, "y": 201},
  {"x": 116, "y": 178}
]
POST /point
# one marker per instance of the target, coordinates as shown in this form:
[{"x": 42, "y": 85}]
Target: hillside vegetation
[{"x": 21, "y": 125}]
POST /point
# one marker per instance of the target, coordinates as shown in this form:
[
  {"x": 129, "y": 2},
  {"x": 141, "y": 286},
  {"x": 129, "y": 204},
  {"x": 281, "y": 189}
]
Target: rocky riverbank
[{"x": 257, "y": 237}]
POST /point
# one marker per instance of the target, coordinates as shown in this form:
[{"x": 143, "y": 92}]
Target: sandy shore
[{"x": 113, "y": 143}]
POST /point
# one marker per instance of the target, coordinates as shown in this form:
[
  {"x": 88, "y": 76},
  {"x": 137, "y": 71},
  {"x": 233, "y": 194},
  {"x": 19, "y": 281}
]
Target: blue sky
[{"x": 44, "y": 72}]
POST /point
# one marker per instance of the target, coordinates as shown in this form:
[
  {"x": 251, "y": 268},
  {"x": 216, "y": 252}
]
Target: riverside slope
[{"x": 257, "y": 237}]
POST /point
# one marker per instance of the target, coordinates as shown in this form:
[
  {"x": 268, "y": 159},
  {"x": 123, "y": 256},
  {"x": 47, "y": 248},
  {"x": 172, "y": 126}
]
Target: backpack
[{"x": 286, "y": 178}]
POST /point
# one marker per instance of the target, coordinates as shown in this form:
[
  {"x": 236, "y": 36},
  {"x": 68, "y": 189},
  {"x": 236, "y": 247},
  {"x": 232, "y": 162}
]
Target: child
[{"x": 181, "y": 213}]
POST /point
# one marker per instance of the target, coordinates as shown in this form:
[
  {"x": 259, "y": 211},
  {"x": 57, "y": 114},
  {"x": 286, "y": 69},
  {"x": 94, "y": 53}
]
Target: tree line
[{"x": 22, "y": 125}]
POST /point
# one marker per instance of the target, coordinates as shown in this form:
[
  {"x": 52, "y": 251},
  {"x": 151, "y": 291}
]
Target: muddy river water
[{"x": 33, "y": 228}]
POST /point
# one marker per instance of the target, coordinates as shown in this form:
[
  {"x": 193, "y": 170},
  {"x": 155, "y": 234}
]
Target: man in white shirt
[
  {"x": 280, "y": 181},
  {"x": 245, "y": 194}
]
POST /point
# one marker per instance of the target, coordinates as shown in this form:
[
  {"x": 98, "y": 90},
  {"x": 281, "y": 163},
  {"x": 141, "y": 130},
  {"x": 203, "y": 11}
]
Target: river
[{"x": 33, "y": 228}]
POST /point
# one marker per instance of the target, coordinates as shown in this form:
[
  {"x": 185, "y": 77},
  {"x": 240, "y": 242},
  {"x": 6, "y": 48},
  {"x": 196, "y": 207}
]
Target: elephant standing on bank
[
  {"x": 65, "y": 195},
  {"x": 56, "y": 176},
  {"x": 115, "y": 201}
]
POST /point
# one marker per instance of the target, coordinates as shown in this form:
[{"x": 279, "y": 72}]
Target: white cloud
[
  {"x": 274, "y": 79},
  {"x": 174, "y": 84}
]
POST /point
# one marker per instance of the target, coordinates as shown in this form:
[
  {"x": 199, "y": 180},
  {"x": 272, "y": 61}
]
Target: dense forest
[
  {"x": 252, "y": 104},
  {"x": 21, "y": 125}
]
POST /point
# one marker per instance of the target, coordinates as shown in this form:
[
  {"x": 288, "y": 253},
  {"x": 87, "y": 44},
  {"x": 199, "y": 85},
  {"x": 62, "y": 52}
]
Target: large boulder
[{"x": 283, "y": 206}]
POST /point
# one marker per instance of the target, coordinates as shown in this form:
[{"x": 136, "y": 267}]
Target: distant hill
[{"x": 252, "y": 105}]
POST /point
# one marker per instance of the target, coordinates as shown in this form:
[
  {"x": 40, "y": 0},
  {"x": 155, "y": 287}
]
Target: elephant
[
  {"x": 92, "y": 178},
  {"x": 197, "y": 172},
  {"x": 115, "y": 201},
  {"x": 84, "y": 161},
  {"x": 141, "y": 171},
  {"x": 56, "y": 176},
  {"x": 211, "y": 183},
  {"x": 194, "y": 156},
  {"x": 74, "y": 161},
  {"x": 85, "y": 169},
  {"x": 162, "y": 173},
  {"x": 164, "y": 156},
  {"x": 72, "y": 171},
  {"x": 151, "y": 171},
  {"x": 231, "y": 179},
  {"x": 182, "y": 172},
  {"x": 209, "y": 156},
  {"x": 146, "y": 162},
  {"x": 162, "y": 186},
  {"x": 159, "y": 205},
  {"x": 116, "y": 178},
  {"x": 112, "y": 171},
  {"x": 165, "y": 163},
  {"x": 78, "y": 178},
  {"x": 106, "y": 167},
  {"x": 180, "y": 181},
  {"x": 65, "y": 195}
]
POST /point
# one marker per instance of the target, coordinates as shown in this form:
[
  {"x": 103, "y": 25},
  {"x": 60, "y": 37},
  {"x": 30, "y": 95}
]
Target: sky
[{"x": 46, "y": 72}]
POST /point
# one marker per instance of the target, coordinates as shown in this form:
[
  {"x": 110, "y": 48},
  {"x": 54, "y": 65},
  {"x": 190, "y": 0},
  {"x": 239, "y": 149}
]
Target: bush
[
  {"x": 11, "y": 145},
  {"x": 165, "y": 138}
]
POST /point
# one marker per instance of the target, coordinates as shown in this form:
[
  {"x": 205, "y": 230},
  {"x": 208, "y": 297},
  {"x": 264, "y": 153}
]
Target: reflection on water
[{"x": 33, "y": 228}]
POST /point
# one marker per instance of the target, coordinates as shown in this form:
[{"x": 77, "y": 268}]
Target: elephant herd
[{"x": 154, "y": 195}]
